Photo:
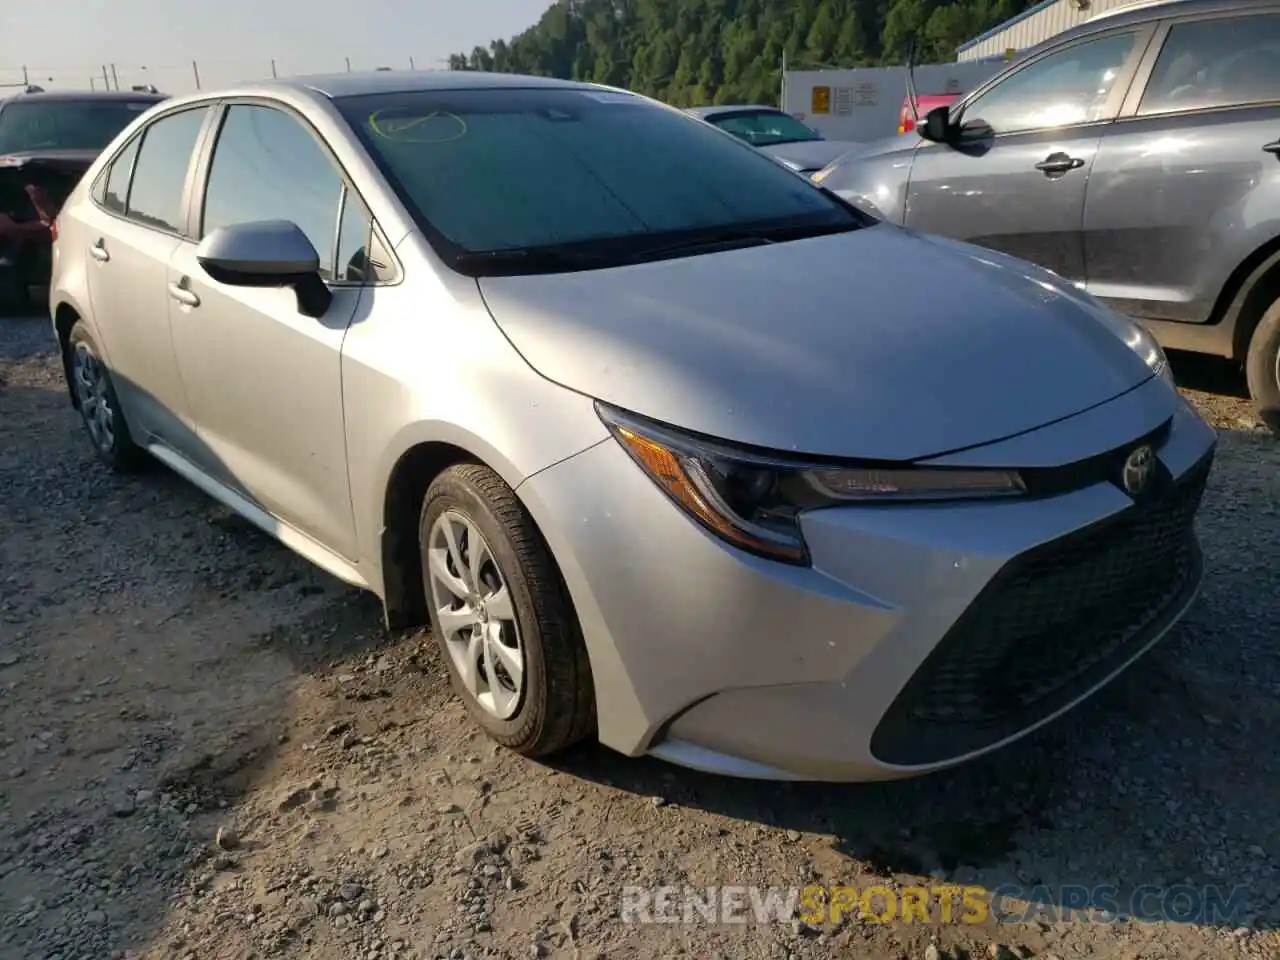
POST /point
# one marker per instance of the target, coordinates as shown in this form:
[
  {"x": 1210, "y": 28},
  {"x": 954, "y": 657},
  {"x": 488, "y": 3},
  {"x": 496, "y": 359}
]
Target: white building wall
[
  {"x": 863, "y": 103},
  {"x": 1047, "y": 20}
]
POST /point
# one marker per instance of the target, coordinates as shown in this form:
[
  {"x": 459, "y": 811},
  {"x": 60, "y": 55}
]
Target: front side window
[
  {"x": 268, "y": 166},
  {"x": 354, "y": 237},
  {"x": 604, "y": 175},
  {"x": 1223, "y": 62},
  {"x": 160, "y": 171},
  {"x": 1064, "y": 88},
  {"x": 56, "y": 124},
  {"x": 763, "y": 128}
]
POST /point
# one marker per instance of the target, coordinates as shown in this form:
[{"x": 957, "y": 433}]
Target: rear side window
[
  {"x": 117, "y": 192},
  {"x": 1227, "y": 61},
  {"x": 268, "y": 166},
  {"x": 160, "y": 172}
]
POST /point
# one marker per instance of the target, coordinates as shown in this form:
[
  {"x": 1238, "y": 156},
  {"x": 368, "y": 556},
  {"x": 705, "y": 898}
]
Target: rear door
[
  {"x": 1186, "y": 184},
  {"x": 131, "y": 230},
  {"x": 1016, "y": 180}
]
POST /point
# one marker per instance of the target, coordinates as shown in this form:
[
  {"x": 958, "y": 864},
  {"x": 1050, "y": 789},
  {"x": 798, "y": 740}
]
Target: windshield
[
  {"x": 65, "y": 124},
  {"x": 763, "y": 128},
  {"x": 596, "y": 177}
]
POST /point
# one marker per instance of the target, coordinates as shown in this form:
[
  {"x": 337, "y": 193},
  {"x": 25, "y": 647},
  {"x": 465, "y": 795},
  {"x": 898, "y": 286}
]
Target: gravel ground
[{"x": 208, "y": 749}]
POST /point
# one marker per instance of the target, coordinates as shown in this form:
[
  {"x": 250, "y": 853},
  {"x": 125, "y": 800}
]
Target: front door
[
  {"x": 1014, "y": 180},
  {"x": 265, "y": 381}
]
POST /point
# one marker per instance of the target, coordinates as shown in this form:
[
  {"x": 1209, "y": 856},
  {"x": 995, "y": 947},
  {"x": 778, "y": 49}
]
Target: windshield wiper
[
  {"x": 708, "y": 243},
  {"x": 739, "y": 239},
  {"x": 530, "y": 260}
]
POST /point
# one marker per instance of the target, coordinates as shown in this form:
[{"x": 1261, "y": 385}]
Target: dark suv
[
  {"x": 1137, "y": 155},
  {"x": 48, "y": 140}
]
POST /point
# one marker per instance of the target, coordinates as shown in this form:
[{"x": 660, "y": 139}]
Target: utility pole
[
  {"x": 106, "y": 83},
  {"x": 92, "y": 81},
  {"x": 25, "y": 79},
  {"x": 115, "y": 77},
  {"x": 195, "y": 69},
  {"x": 782, "y": 84},
  {"x": 411, "y": 66},
  {"x": 273, "y": 68},
  {"x": 348, "y": 64}
]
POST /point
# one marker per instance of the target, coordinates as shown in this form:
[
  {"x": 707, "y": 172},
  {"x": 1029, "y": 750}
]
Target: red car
[
  {"x": 47, "y": 142},
  {"x": 924, "y": 103}
]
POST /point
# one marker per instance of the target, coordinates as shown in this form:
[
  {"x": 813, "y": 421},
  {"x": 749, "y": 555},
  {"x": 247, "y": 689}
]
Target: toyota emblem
[{"x": 1138, "y": 467}]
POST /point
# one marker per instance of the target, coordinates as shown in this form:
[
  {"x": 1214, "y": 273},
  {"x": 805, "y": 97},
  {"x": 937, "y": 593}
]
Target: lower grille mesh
[{"x": 1052, "y": 623}]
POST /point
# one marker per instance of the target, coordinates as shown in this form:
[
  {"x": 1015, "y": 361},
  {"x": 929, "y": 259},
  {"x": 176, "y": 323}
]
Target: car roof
[
  {"x": 337, "y": 85},
  {"x": 730, "y": 108},
  {"x": 86, "y": 96}
]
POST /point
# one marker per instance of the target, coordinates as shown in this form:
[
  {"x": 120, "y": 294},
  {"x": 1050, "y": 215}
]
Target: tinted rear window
[
  {"x": 65, "y": 124},
  {"x": 487, "y": 170}
]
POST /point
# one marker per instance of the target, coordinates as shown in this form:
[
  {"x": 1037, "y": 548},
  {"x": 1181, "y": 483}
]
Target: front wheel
[
  {"x": 501, "y": 615},
  {"x": 1262, "y": 367}
]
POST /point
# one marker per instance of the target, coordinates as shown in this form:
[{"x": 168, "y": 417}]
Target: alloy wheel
[
  {"x": 476, "y": 615},
  {"x": 95, "y": 399}
]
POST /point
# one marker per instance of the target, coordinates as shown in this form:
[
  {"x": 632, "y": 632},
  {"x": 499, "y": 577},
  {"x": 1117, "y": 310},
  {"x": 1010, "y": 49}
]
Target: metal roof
[
  {"x": 1136, "y": 10},
  {"x": 1002, "y": 27}
]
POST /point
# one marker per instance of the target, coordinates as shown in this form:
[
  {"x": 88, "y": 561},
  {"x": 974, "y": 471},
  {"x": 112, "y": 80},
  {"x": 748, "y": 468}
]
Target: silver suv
[{"x": 1137, "y": 155}]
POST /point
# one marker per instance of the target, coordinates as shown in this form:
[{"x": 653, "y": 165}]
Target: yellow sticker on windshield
[{"x": 434, "y": 127}]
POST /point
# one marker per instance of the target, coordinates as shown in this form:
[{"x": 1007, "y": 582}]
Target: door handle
[
  {"x": 99, "y": 251},
  {"x": 1059, "y": 163},
  {"x": 1272, "y": 148},
  {"x": 184, "y": 296}
]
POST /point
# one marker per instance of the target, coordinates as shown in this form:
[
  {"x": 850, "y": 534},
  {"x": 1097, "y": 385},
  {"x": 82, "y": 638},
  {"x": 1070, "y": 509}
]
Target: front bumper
[{"x": 921, "y": 637}]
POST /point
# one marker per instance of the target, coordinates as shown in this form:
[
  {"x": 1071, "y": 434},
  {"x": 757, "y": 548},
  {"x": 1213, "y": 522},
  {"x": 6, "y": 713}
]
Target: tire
[
  {"x": 98, "y": 405},
  {"x": 552, "y": 706},
  {"x": 1262, "y": 367}
]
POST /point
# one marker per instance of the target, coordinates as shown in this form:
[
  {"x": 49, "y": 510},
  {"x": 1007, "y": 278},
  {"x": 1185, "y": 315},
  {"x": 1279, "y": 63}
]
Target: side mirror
[
  {"x": 972, "y": 130},
  {"x": 936, "y": 125},
  {"x": 267, "y": 253}
]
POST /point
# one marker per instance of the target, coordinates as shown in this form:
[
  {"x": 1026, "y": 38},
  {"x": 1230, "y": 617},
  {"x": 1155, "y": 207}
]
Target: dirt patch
[{"x": 208, "y": 749}]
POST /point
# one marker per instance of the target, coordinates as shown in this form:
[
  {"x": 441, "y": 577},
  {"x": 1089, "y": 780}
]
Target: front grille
[{"x": 1052, "y": 623}]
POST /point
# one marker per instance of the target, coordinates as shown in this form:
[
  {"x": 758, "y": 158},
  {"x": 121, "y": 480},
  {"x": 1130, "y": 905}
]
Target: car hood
[
  {"x": 808, "y": 154},
  {"x": 878, "y": 344},
  {"x": 896, "y": 143}
]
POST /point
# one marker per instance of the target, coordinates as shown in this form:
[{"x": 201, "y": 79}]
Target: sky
[{"x": 63, "y": 43}]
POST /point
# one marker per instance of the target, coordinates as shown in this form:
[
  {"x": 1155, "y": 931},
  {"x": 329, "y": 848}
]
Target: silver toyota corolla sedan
[{"x": 670, "y": 446}]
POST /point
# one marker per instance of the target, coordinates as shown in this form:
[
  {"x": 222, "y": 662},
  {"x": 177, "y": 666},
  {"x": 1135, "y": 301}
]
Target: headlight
[
  {"x": 1144, "y": 345},
  {"x": 754, "y": 500}
]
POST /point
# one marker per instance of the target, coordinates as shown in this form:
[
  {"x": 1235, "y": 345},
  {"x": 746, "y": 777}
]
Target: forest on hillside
[{"x": 692, "y": 52}]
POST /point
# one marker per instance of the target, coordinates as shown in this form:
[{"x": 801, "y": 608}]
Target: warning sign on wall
[{"x": 821, "y": 100}]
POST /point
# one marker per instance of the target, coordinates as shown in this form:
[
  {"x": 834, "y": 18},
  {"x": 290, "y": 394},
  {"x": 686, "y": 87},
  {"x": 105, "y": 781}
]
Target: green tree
[{"x": 691, "y": 52}]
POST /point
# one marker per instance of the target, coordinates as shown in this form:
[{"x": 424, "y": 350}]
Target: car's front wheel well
[
  {"x": 1248, "y": 293},
  {"x": 404, "y": 601},
  {"x": 64, "y": 319}
]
